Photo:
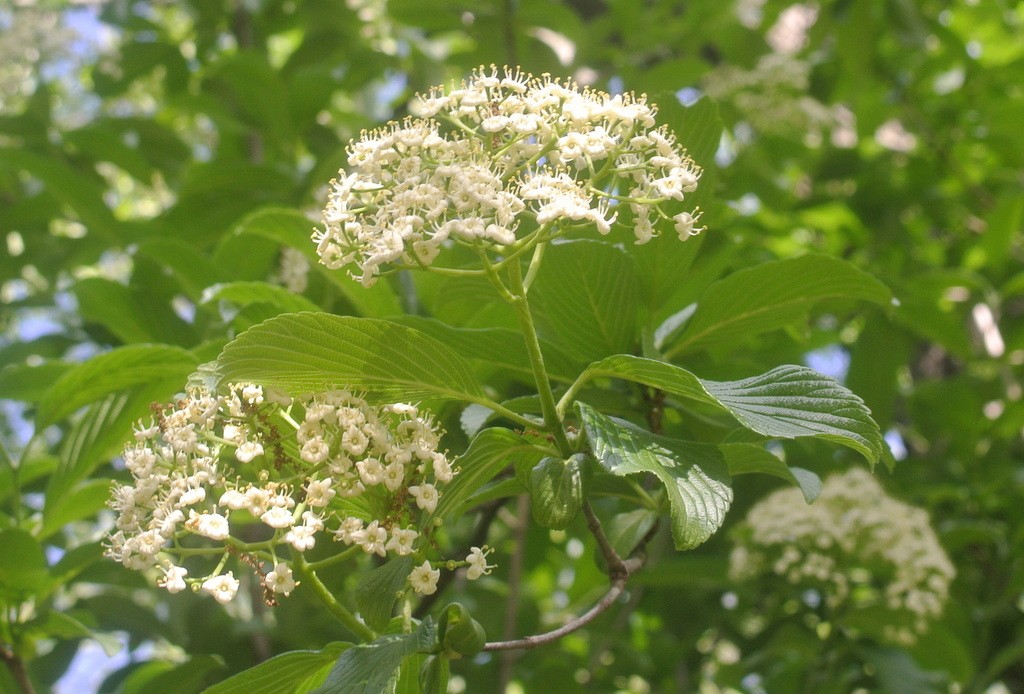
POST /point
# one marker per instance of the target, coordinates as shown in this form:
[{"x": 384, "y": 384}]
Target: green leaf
[
  {"x": 133, "y": 313},
  {"x": 29, "y": 383},
  {"x": 490, "y": 452},
  {"x": 23, "y": 569},
  {"x": 432, "y": 677},
  {"x": 248, "y": 293},
  {"x": 291, "y": 228},
  {"x": 786, "y": 402},
  {"x": 771, "y": 296},
  {"x": 280, "y": 674},
  {"x": 368, "y": 668},
  {"x": 794, "y": 401},
  {"x": 557, "y": 490},
  {"x": 83, "y": 502},
  {"x": 184, "y": 678},
  {"x": 626, "y": 530},
  {"x": 745, "y": 458},
  {"x": 585, "y": 299},
  {"x": 378, "y": 590},
  {"x": 65, "y": 626},
  {"x": 194, "y": 269},
  {"x": 113, "y": 372},
  {"x": 694, "y": 475},
  {"x": 315, "y": 352},
  {"x": 499, "y": 346},
  {"x": 100, "y": 432}
]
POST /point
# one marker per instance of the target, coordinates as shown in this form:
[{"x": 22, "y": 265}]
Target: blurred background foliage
[{"x": 140, "y": 141}]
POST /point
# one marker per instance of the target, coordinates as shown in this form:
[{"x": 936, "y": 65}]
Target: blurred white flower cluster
[
  {"x": 293, "y": 272},
  {"x": 773, "y": 99},
  {"x": 855, "y": 545},
  {"x": 501, "y": 163},
  {"x": 257, "y": 474}
]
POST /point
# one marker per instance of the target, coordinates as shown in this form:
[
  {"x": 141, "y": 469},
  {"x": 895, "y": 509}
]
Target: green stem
[
  {"x": 505, "y": 412},
  {"x": 308, "y": 575},
  {"x": 552, "y": 421},
  {"x": 531, "y": 272},
  {"x": 336, "y": 559}
]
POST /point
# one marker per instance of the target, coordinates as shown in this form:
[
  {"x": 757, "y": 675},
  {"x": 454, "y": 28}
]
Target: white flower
[
  {"x": 401, "y": 542},
  {"x": 373, "y": 539},
  {"x": 319, "y": 493},
  {"x": 315, "y": 450},
  {"x": 280, "y": 580},
  {"x": 278, "y": 517},
  {"x": 478, "y": 565},
  {"x": 248, "y": 451},
  {"x": 211, "y": 525},
  {"x": 301, "y": 537},
  {"x": 442, "y": 468},
  {"x": 685, "y": 225},
  {"x": 252, "y": 394},
  {"x": 393, "y": 476},
  {"x": 426, "y": 496},
  {"x": 371, "y": 472},
  {"x": 143, "y": 433},
  {"x": 234, "y": 500},
  {"x": 173, "y": 579},
  {"x": 349, "y": 532},
  {"x": 424, "y": 579},
  {"x": 223, "y": 588},
  {"x": 192, "y": 496}
]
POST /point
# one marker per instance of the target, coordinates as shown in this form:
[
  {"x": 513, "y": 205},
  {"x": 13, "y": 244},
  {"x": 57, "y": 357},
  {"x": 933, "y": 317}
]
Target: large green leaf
[
  {"x": 585, "y": 298},
  {"x": 367, "y": 668},
  {"x": 280, "y": 674},
  {"x": 786, "y": 402},
  {"x": 304, "y": 352},
  {"x": 771, "y": 296},
  {"x": 499, "y": 346},
  {"x": 291, "y": 228},
  {"x": 694, "y": 475},
  {"x": 111, "y": 372}
]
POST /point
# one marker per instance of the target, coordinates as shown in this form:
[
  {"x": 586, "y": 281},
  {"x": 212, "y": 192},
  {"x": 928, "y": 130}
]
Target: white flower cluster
[
  {"x": 276, "y": 471},
  {"x": 293, "y": 272},
  {"x": 773, "y": 97},
  {"x": 502, "y": 162},
  {"x": 854, "y": 544}
]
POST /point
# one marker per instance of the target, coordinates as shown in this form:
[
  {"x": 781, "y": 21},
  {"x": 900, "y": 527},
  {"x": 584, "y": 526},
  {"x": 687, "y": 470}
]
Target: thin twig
[
  {"x": 618, "y": 585},
  {"x": 619, "y": 571},
  {"x": 16, "y": 666}
]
